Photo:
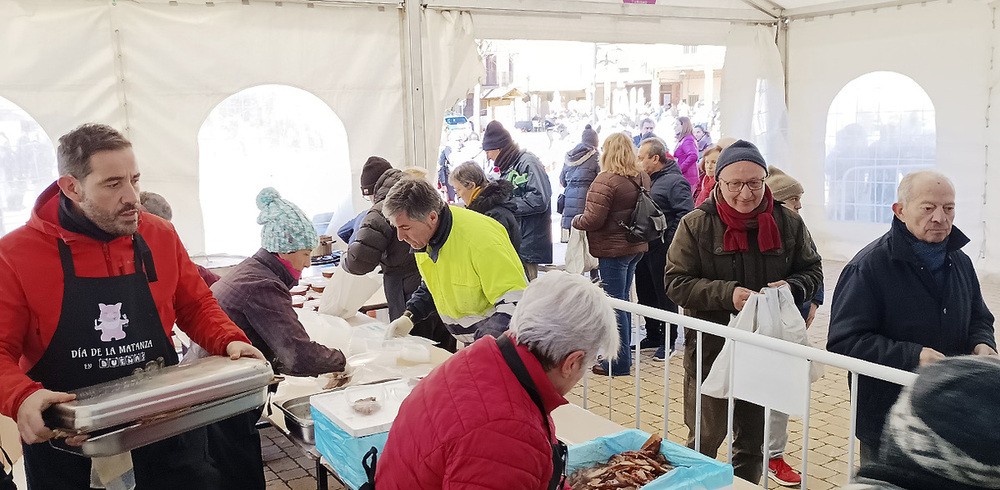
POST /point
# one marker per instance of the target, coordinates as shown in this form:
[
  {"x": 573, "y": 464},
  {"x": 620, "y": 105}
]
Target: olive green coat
[{"x": 700, "y": 276}]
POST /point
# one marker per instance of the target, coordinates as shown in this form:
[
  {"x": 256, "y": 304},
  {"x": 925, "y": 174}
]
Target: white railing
[{"x": 854, "y": 366}]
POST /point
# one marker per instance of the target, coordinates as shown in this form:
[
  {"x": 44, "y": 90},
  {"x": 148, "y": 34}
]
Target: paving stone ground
[{"x": 829, "y": 423}]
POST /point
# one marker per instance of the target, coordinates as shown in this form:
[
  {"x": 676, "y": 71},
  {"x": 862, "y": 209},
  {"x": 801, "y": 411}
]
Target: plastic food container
[
  {"x": 161, "y": 402},
  {"x": 338, "y": 406}
]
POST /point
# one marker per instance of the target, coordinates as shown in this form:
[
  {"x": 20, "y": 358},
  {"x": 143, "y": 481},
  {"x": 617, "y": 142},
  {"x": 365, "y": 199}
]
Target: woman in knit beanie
[
  {"x": 286, "y": 232},
  {"x": 256, "y": 295}
]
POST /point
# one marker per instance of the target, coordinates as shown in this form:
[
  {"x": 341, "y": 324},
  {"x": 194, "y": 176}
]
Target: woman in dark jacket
[
  {"x": 610, "y": 202},
  {"x": 485, "y": 197},
  {"x": 581, "y": 168},
  {"x": 377, "y": 244}
]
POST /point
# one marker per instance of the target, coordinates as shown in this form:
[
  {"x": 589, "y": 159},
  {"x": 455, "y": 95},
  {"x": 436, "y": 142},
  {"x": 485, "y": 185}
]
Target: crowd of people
[{"x": 468, "y": 277}]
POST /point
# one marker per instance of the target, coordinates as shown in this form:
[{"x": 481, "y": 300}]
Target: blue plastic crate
[
  {"x": 344, "y": 452},
  {"x": 694, "y": 471}
]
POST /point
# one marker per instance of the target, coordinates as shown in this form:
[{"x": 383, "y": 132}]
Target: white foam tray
[{"x": 337, "y": 406}]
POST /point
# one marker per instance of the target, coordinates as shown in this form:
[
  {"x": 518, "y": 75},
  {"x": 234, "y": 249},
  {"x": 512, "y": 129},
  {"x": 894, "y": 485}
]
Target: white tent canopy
[{"x": 157, "y": 69}]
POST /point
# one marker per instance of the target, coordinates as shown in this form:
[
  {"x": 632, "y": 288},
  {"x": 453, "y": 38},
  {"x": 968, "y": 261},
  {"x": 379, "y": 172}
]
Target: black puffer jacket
[
  {"x": 376, "y": 242},
  {"x": 494, "y": 201}
]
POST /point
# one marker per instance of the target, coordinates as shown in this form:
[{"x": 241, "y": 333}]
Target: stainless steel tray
[
  {"x": 149, "y": 393},
  {"x": 167, "y": 425},
  {"x": 298, "y": 418}
]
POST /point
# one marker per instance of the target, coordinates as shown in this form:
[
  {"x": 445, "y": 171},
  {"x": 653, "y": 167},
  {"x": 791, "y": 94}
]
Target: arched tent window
[
  {"x": 879, "y": 128},
  {"x": 277, "y": 136},
  {"x": 27, "y": 164}
]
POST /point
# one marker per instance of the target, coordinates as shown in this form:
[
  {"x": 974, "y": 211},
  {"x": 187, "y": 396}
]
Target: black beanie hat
[
  {"x": 941, "y": 432},
  {"x": 373, "y": 169},
  {"x": 740, "y": 151},
  {"x": 496, "y": 137},
  {"x": 590, "y": 137}
]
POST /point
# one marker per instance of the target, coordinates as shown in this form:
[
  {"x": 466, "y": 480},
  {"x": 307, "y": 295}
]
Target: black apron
[
  {"x": 108, "y": 327},
  {"x": 517, "y": 366}
]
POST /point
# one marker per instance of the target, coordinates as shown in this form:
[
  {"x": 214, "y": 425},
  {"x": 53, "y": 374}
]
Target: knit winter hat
[
  {"x": 286, "y": 228},
  {"x": 740, "y": 151},
  {"x": 783, "y": 186},
  {"x": 373, "y": 169},
  {"x": 590, "y": 137},
  {"x": 496, "y": 137},
  {"x": 944, "y": 425}
]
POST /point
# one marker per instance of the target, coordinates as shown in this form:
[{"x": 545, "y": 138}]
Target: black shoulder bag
[
  {"x": 648, "y": 221},
  {"x": 516, "y": 366}
]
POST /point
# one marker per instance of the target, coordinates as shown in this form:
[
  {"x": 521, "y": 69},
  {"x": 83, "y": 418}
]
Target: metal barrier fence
[{"x": 855, "y": 368}]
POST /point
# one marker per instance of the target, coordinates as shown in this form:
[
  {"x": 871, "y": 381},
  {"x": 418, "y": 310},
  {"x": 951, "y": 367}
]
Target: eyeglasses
[{"x": 753, "y": 185}]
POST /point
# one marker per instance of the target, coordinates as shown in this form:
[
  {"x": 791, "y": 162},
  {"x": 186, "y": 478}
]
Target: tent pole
[
  {"x": 413, "y": 61},
  {"x": 781, "y": 39}
]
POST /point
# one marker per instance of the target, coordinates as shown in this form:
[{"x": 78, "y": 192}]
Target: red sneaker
[{"x": 780, "y": 472}]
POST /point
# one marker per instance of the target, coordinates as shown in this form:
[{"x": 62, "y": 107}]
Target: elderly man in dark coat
[{"x": 909, "y": 299}]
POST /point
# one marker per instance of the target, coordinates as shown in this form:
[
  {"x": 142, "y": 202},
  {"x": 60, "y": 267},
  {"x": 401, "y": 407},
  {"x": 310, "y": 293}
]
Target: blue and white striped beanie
[{"x": 285, "y": 228}]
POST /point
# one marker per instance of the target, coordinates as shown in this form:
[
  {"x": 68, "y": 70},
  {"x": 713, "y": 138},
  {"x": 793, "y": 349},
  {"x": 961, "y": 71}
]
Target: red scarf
[
  {"x": 296, "y": 274},
  {"x": 735, "y": 238}
]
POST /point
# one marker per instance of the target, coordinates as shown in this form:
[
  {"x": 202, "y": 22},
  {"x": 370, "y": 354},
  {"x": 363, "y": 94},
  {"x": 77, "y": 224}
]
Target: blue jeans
[{"x": 616, "y": 279}]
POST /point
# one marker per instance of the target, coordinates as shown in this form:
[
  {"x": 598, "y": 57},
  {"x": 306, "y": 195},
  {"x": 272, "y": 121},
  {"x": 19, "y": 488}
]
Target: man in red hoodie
[
  {"x": 481, "y": 419},
  {"x": 91, "y": 276}
]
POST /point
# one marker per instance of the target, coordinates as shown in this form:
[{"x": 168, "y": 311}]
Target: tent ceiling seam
[
  {"x": 577, "y": 15},
  {"x": 577, "y": 9},
  {"x": 808, "y": 13}
]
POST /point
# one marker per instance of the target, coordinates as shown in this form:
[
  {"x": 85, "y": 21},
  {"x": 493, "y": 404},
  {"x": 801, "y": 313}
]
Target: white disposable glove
[{"x": 399, "y": 327}]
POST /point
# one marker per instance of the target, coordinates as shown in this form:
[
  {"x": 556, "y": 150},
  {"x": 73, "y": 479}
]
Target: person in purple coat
[{"x": 686, "y": 152}]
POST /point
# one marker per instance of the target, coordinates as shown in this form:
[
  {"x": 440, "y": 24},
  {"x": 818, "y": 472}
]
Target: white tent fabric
[
  {"x": 451, "y": 67},
  {"x": 944, "y": 47},
  {"x": 157, "y": 70},
  {"x": 752, "y": 102}
]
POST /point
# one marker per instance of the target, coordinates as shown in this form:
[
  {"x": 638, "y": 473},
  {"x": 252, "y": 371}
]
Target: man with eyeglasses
[{"x": 737, "y": 242}]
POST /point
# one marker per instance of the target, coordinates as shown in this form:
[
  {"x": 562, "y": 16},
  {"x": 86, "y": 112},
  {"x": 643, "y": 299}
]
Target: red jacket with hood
[
  {"x": 470, "y": 424},
  {"x": 31, "y": 290}
]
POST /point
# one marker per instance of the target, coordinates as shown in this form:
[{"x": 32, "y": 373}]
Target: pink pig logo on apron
[{"x": 111, "y": 323}]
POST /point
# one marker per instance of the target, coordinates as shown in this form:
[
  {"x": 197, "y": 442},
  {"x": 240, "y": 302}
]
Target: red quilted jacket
[{"x": 470, "y": 424}]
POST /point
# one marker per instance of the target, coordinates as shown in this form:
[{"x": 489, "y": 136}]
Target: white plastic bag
[
  {"x": 578, "y": 258},
  {"x": 716, "y": 384},
  {"x": 345, "y": 293},
  {"x": 772, "y": 313}
]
